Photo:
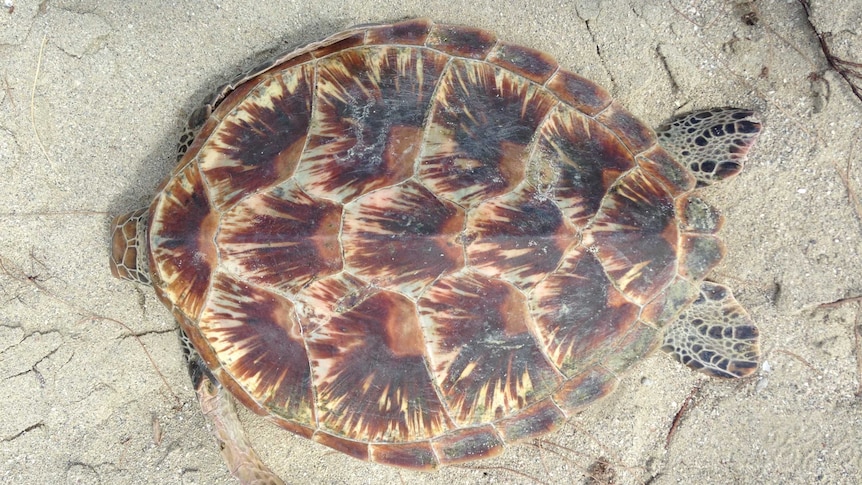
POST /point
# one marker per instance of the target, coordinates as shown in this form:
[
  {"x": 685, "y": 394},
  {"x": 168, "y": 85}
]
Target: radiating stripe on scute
[
  {"x": 402, "y": 237},
  {"x": 259, "y": 143},
  {"x": 370, "y": 373},
  {"x": 486, "y": 361},
  {"x": 368, "y": 119},
  {"x": 636, "y": 235},
  {"x": 483, "y": 119},
  {"x": 259, "y": 342},
  {"x": 281, "y": 238},
  {"x": 181, "y": 240},
  {"x": 519, "y": 236},
  {"x": 580, "y": 315},
  {"x": 577, "y": 160}
]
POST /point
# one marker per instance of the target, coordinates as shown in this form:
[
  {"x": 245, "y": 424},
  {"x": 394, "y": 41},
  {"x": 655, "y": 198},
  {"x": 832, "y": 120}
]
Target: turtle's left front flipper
[
  {"x": 714, "y": 335},
  {"x": 713, "y": 144}
]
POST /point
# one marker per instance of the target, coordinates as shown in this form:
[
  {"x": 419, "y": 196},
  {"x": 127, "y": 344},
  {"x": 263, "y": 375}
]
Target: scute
[
  {"x": 520, "y": 236},
  {"x": 482, "y": 352},
  {"x": 369, "y": 369},
  {"x": 258, "y": 144},
  {"x": 480, "y": 130},
  {"x": 257, "y": 338},
  {"x": 402, "y": 237},
  {"x": 368, "y": 119},
  {"x": 181, "y": 241},
  {"x": 281, "y": 238},
  {"x": 414, "y": 243},
  {"x": 580, "y": 313}
]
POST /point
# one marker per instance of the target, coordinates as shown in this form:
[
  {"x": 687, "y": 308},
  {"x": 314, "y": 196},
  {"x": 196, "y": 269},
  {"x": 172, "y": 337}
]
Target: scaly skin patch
[
  {"x": 129, "y": 248},
  {"x": 714, "y": 335},
  {"x": 712, "y": 144}
]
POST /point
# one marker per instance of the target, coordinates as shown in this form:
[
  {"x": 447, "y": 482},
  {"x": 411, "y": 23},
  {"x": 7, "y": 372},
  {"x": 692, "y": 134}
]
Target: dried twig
[
  {"x": 848, "y": 70},
  {"x": 14, "y": 272},
  {"x": 687, "y": 406},
  {"x": 857, "y": 334},
  {"x": 8, "y": 88},
  {"x": 33, "y": 103},
  {"x": 800, "y": 359}
]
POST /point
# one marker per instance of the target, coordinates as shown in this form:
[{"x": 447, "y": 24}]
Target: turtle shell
[{"x": 414, "y": 243}]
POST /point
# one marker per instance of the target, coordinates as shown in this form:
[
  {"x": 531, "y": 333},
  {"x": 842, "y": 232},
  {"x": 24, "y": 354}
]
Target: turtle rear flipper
[
  {"x": 712, "y": 144},
  {"x": 220, "y": 412},
  {"x": 714, "y": 335}
]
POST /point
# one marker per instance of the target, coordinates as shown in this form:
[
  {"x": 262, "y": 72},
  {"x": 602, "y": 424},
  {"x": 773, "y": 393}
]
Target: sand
[{"x": 94, "y": 95}]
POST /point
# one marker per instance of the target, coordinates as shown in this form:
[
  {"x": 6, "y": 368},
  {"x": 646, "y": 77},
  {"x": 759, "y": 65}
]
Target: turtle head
[{"x": 129, "y": 259}]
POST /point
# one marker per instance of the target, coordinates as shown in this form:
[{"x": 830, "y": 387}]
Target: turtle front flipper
[
  {"x": 712, "y": 144},
  {"x": 219, "y": 409},
  {"x": 714, "y": 335}
]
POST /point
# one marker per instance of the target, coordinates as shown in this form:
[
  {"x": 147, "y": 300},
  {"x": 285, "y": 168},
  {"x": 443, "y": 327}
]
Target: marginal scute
[
  {"x": 667, "y": 304},
  {"x": 354, "y": 448},
  {"x": 417, "y": 456},
  {"x": 370, "y": 373},
  {"x": 659, "y": 164},
  {"x": 520, "y": 237},
  {"x": 636, "y": 135},
  {"x": 579, "y": 313},
  {"x": 483, "y": 355},
  {"x": 699, "y": 254},
  {"x": 584, "y": 389},
  {"x": 259, "y": 143},
  {"x": 182, "y": 227},
  {"x": 258, "y": 340},
  {"x": 636, "y": 235},
  {"x": 577, "y": 160},
  {"x": 697, "y": 216},
  {"x": 533, "y": 64},
  {"x": 410, "y": 32},
  {"x": 631, "y": 348},
  {"x": 468, "y": 444},
  {"x": 281, "y": 238},
  {"x": 233, "y": 96},
  {"x": 368, "y": 120},
  {"x": 579, "y": 92},
  {"x": 537, "y": 420},
  {"x": 482, "y": 123},
  {"x": 461, "y": 41},
  {"x": 402, "y": 237},
  {"x": 349, "y": 39}
]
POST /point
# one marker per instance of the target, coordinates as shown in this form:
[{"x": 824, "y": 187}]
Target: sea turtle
[{"x": 415, "y": 243}]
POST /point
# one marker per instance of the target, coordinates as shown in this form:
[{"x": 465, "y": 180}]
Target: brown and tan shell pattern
[{"x": 414, "y": 243}]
